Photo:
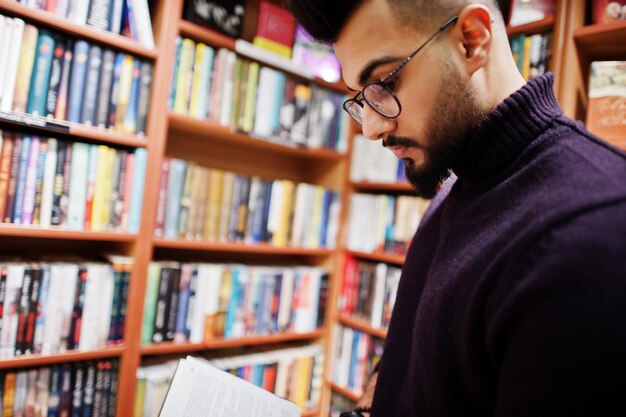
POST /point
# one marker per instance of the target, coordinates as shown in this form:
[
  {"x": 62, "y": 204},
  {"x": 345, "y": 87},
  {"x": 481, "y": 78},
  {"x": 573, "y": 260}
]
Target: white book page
[{"x": 199, "y": 389}]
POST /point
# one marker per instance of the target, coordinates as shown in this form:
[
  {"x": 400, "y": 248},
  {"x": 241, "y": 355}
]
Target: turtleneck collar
[{"x": 502, "y": 136}]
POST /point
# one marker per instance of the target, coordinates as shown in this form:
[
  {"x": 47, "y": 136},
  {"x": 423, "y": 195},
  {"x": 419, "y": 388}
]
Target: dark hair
[{"x": 324, "y": 19}]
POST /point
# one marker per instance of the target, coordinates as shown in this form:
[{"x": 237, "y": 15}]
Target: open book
[{"x": 199, "y": 390}]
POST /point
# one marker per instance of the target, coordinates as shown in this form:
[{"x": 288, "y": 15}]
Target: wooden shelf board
[
  {"x": 394, "y": 187},
  {"x": 345, "y": 392},
  {"x": 60, "y": 128},
  {"x": 390, "y": 258},
  {"x": 194, "y": 245},
  {"x": 52, "y": 21},
  {"x": 72, "y": 356},
  {"x": 171, "y": 347},
  {"x": 200, "y": 34},
  {"x": 208, "y": 130},
  {"x": 310, "y": 413},
  {"x": 63, "y": 234},
  {"x": 601, "y": 41},
  {"x": 540, "y": 26},
  {"x": 362, "y": 326}
]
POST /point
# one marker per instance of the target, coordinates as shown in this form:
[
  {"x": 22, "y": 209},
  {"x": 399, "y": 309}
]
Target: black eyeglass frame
[{"x": 385, "y": 81}]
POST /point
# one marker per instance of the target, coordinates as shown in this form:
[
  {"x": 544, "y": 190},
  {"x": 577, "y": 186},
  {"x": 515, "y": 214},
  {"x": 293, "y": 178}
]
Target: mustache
[{"x": 400, "y": 141}]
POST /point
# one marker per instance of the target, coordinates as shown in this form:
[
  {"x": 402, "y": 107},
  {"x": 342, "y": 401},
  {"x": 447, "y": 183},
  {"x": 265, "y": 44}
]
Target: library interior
[{"x": 187, "y": 167}]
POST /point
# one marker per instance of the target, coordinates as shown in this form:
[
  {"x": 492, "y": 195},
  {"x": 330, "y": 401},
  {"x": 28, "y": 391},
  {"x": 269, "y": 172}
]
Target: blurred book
[
  {"x": 225, "y": 16},
  {"x": 318, "y": 57},
  {"x": 528, "y": 11},
  {"x": 275, "y": 30},
  {"x": 606, "y": 116}
]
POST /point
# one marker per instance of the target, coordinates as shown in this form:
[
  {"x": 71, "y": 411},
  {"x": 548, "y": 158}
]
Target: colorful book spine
[
  {"x": 40, "y": 80},
  {"x": 77, "y": 81}
]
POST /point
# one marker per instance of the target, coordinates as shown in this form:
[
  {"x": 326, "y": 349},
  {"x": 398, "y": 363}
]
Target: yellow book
[
  {"x": 228, "y": 184},
  {"x": 526, "y": 59},
  {"x": 280, "y": 238},
  {"x": 8, "y": 395},
  {"x": 197, "y": 77},
  {"x": 25, "y": 68},
  {"x": 316, "y": 222},
  {"x": 107, "y": 185},
  {"x": 99, "y": 197},
  {"x": 123, "y": 93},
  {"x": 214, "y": 324},
  {"x": 185, "y": 70},
  {"x": 186, "y": 200},
  {"x": 252, "y": 86},
  {"x": 214, "y": 205},
  {"x": 198, "y": 203},
  {"x": 272, "y": 46},
  {"x": 140, "y": 395},
  {"x": 303, "y": 381}
]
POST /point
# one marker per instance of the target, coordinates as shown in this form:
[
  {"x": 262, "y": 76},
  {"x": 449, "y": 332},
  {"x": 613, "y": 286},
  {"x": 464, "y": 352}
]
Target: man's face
[{"x": 438, "y": 106}]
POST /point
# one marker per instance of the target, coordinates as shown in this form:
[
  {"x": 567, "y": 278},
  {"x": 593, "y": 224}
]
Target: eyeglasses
[{"x": 378, "y": 94}]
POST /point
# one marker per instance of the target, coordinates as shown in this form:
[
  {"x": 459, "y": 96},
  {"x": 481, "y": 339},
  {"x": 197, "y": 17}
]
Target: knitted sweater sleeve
[{"x": 557, "y": 338}]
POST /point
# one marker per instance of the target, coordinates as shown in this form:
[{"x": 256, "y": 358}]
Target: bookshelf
[{"x": 168, "y": 134}]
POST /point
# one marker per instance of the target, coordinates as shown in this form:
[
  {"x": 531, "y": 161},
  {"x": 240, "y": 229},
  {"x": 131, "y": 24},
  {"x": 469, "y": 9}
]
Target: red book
[{"x": 276, "y": 29}]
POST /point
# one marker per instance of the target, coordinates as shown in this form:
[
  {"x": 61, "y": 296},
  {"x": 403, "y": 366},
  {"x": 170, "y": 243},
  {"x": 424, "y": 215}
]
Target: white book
[
  {"x": 19, "y": 398},
  {"x": 276, "y": 200},
  {"x": 116, "y": 16},
  {"x": 8, "y": 333},
  {"x": 268, "y": 79},
  {"x": 106, "y": 288},
  {"x": 214, "y": 283},
  {"x": 196, "y": 310},
  {"x": 78, "y": 13},
  {"x": 228, "y": 89},
  {"x": 47, "y": 189},
  {"x": 89, "y": 327},
  {"x": 332, "y": 228},
  {"x": 286, "y": 299},
  {"x": 69, "y": 282},
  {"x": 376, "y": 317},
  {"x": 62, "y": 8},
  {"x": 78, "y": 186},
  {"x": 6, "y": 25},
  {"x": 299, "y": 211},
  {"x": 200, "y": 389},
  {"x": 346, "y": 357},
  {"x": 143, "y": 23},
  {"x": 54, "y": 321},
  {"x": 12, "y": 61},
  {"x": 42, "y": 391}
]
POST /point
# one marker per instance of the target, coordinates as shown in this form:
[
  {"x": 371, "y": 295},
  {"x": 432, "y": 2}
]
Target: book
[
  {"x": 25, "y": 68},
  {"x": 77, "y": 81},
  {"x": 98, "y": 15},
  {"x": 225, "y": 16},
  {"x": 104, "y": 90},
  {"x": 275, "y": 29},
  {"x": 60, "y": 110},
  {"x": 606, "y": 114},
  {"x": 527, "y": 11},
  {"x": 12, "y": 60},
  {"x": 195, "y": 380},
  {"x": 92, "y": 78},
  {"x": 40, "y": 80}
]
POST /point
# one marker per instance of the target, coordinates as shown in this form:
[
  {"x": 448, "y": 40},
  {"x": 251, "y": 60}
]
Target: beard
[{"x": 455, "y": 114}]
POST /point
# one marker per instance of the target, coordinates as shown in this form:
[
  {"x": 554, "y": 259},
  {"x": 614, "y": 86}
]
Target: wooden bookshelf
[
  {"x": 362, "y": 326},
  {"x": 310, "y": 413},
  {"x": 541, "y": 26},
  {"x": 34, "y": 232},
  {"x": 262, "y": 249},
  {"x": 602, "y": 41},
  {"x": 43, "y": 18},
  {"x": 382, "y": 187},
  {"x": 205, "y": 130},
  {"x": 261, "y": 340},
  {"x": 388, "y": 258},
  {"x": 345, "y": 392},
  {"x": 201, "y": 34},
  {"x": 72, "y": 356}
]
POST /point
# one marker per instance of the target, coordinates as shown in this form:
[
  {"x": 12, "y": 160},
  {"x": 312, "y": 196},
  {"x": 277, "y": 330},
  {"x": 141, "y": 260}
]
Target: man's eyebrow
[{"x": 366, "y": 73}]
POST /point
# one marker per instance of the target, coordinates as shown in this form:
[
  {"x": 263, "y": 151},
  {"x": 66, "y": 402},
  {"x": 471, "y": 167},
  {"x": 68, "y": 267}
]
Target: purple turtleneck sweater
[{"x": 512, "y": 300}]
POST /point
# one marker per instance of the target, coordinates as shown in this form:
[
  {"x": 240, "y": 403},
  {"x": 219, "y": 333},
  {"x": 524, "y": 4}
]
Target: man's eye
[{"x": 391, "y": 84}]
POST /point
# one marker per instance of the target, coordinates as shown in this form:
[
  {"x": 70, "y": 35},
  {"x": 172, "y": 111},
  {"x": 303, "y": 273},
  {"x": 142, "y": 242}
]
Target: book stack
[
  {"x": 209, "y": 204},
  {"x": 369, "y": 291},
  {"x": 197, "y": 302},
  {"x": 126, "y": 17},
  {"x": 53, "y": 307},
  {"x": 355, "y": 356},
  {"x": 606, "y": 114},
  {"x": 71, "y": 389},
  {"x": 395, "y": 220},
  {"x": 370, "y": 163},
  {"x": 292, "y": 373},
  {"x": 532, "y": 54},
  {"x": 79, "y": 186},
  {"x": 266, "y": 103},
  {"x": 54, "y": 76}
]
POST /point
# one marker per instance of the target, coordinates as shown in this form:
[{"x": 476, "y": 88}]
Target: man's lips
[{"x": 399, "y": 151}]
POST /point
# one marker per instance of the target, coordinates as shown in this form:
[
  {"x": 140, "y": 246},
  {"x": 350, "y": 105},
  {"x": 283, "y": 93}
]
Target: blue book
[
  {"x": 77, "y": 81},
  {"x": 264, "y": 234},
  {"x": 115, "y": 16},
  {"x": 115, "y": 87},
  {"x": 178, "y": 170},
  {"x": 21, "y": 180},
  {"x": 183, "y": 304},
  {"x": 136, "y": 196},
  {"x": 41, "y": 165},
  {"x": 172, "y": 97},
  {"x": 92, "y": 86},
  {"x": 54, "y": 391},
  {"x": 324, "y": 221},
  {"x": 130, "y": 118},
  {"x": 40, "y": 78},
  {"x": 193, "y": 284},
  {"x": 278, "y": 93},
  {"x": 233, "y": 302},
  {"x": 354, "y": 358}
]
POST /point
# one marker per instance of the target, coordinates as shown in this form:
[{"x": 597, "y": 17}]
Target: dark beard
[{"x": 455, "y": 114}]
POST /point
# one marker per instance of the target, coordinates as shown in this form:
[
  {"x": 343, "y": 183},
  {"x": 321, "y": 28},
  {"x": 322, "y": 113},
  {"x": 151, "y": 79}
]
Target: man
[{"x": 512, "y": 300}]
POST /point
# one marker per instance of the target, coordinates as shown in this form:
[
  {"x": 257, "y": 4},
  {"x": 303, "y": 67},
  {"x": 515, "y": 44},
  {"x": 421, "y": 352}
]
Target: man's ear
[{"x": 474, "y": 36}]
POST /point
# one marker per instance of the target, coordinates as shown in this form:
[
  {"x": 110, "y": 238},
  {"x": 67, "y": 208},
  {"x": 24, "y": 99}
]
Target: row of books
[
  {"x": 54, "y": 307},
  {"x": 368, "y": 291},
  {"x": 606, "y": 113},
  {"x": 79, "y": 186},
  {"x": 126, "y": 17},
  {"x": 293, "y": 373},
  {"x": 209, "y": 204},
  {"x": 196, "y": 302},
  {"x": 355, "y": 354},
  {"x": 532, "y": 54},
  {"x": 266, "y": 103},
  {"x": 383, "y": 223},
  {"x": 50, "y": 75},
  {"x": 71, "y": 389},
  {"x": 370, "y": 163}
]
